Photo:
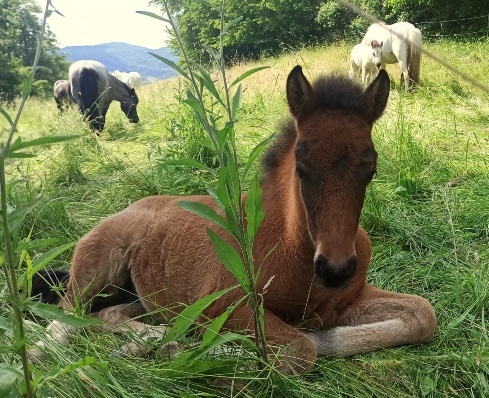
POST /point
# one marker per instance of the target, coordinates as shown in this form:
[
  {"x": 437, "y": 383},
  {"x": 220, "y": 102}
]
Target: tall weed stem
[
  {"x": 9, "y": 264},
  {"x": 228, "y": 158}
]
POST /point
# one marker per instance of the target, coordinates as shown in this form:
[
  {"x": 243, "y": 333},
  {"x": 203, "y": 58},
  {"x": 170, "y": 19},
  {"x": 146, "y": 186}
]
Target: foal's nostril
[
  {"x": 378, "y": 66},
  {"x": 335, "y": 276}
]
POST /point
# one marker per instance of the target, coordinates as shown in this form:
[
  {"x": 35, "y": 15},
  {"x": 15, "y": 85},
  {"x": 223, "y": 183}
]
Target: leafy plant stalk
[
  {"x": 227, "y": 156},
  {"x": 8, "y": 265},
  {"x": 248, "y": 255}
]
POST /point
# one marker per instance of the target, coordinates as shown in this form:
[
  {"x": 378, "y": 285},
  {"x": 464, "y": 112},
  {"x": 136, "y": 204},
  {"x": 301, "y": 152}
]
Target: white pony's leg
[
  {"x": 352, "y": 72},
  {"x": 364, "y": 74},
  {"x": 400, "y": 50}
]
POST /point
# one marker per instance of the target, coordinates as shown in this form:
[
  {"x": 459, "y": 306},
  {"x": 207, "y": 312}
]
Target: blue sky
[{"x": 89, "y": 22}]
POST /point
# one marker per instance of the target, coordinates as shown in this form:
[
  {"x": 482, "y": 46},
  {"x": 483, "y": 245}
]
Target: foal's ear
[
  {"x": 377, "y": 94},
  {"x": 299, "y": 92}
]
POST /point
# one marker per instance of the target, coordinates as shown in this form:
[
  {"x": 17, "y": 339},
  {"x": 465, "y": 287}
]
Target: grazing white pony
[
  {"x": 366, "y": 59},
  {"x": 132, "y": 79},
  {"x": 135, "y": 80},
  {"x": 117, "y": 74},
  {"x": 402, "y": 43}
]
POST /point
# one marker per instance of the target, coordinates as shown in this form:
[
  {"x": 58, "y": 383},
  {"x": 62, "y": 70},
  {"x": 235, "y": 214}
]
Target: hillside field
[{"x": 426, "y": 211}]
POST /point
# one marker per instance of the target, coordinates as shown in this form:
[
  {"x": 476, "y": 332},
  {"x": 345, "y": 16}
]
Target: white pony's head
[{"x": 375, "y": 56}]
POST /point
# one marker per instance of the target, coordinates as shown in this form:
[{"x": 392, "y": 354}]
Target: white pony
[
  {"x": 402, "y": 43},
  {"x": 132, "y": 79},
  {"x": 366, "y": 59},
  {"x": 135, "y": 79}
]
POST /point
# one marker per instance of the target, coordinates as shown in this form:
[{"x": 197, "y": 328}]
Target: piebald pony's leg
[{"x": 378, "y": 319}]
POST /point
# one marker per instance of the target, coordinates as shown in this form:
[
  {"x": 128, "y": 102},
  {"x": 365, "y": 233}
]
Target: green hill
[{"x": 126, "y": 58}]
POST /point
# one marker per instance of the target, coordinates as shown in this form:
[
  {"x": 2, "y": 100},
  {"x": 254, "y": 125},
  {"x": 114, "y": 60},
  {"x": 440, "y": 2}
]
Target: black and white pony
[
  {"x": 62, "y": 94},
  {"x": 93, "y": 89}
]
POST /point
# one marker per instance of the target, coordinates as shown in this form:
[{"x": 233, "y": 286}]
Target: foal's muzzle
[
  {"x": 378, "y": 66},
  {"x": 335, "y": 276}
]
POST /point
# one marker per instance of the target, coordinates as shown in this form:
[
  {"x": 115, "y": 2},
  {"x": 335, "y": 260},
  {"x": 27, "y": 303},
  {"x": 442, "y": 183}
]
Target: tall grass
[{"x": 429, "y": 239}]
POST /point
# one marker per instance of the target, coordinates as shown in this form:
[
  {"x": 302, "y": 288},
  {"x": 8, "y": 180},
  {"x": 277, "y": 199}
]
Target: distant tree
[
  {"x": 20, "y": 27},
  {"x": 268, "y": 26},
  {"x": 468, "y": 17}
]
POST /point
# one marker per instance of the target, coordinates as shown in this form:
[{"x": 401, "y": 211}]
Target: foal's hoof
[
  {"x": 142, "y": 350},
  {"x": 170, "y": 349},
  {"x": 34, "y": 354}
]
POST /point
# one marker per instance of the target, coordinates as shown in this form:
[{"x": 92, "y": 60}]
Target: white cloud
[{"x": 88, "y": 22}]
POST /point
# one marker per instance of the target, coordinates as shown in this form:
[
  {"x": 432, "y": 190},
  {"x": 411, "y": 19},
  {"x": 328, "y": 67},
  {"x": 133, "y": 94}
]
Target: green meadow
[{"x": 426, "y": 211}]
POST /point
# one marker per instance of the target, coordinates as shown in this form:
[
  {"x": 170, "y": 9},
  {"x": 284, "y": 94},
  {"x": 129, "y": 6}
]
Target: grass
[{"x": 427, "y": 213}]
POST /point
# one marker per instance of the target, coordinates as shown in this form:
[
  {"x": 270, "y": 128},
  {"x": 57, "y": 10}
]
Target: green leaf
[
  {"x": 427, "y": 385},
  {"x": 248, "y": 73},
  {"x": 6, "y": 326},
  {"x": 204, "y": 211},
  {"x": 171, "y": 64},
  {"x": 49, "y": 311},
  {"x": 236, "y": 101},
  {"x": 212, "y": 331},
  {"x": 27, "y": 84},
  {"x": 215, "y": 55},
  {"x": 19, "y": 144},
  {"x": 41, "y": 261},
  {"x": 35, "y": 244},
  {"x": 56, "y": 372},
  {"x": 232, "y": 177},
  {"x": 17, "y": 180},
  {"x": 7, "y": 116},
  {"x": 8, "y": 377},
  {"x": 255, "y": 152},
  {"x": 254, "y": 210},
  {"x": 7, "y": 349},
  {"x": 44, "y": 69},
  {"x": 153, "y": 15},
  {"x": 223, "y": 134},
  {"x": 188, "y": 316},
  {"x": 208, "y": 83},
  {"x": 17, "y": 216},
  {"x": 188, "y": 358},
  {"x": 195, "y": 105},
  {"x": 21, "y": 155},
  {"x": 212, "y": 192},
  {"x": 185, "y": 162},
  {"x": 230, "y": 258},
  {"x": 232, "y": 23}
]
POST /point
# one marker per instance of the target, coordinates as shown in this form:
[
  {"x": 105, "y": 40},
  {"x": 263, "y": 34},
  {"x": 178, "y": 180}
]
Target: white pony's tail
[{"x": 415, "y": 42}]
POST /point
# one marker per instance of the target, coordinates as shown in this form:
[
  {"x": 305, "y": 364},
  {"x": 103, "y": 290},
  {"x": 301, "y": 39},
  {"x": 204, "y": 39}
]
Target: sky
[{"x": 89, "y": 22}]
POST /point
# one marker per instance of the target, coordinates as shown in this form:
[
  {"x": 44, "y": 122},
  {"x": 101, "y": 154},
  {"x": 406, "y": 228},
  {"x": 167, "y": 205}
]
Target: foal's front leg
[{"x": 378, "y": 319}]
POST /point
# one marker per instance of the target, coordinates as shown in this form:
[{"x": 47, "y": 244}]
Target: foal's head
[
  {"x": 335, "y": 160},
  {"x": 375, "y": 53}
]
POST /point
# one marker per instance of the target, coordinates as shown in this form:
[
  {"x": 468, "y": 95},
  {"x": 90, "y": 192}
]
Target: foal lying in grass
[{"x": 317, "y": 301}]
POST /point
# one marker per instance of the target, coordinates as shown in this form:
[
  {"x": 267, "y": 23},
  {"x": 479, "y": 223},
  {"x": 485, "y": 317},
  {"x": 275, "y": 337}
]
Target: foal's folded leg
[
  {"x": 378, "y": 319},
  {"x": 290, "y": 350},
  {"x": 119, "y": 319}
]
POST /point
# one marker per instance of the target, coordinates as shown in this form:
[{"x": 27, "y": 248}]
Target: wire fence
[{"x": 473, "y": 26}]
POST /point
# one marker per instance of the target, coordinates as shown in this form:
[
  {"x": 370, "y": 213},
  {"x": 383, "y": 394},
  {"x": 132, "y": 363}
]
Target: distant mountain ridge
[{"x": 126, "y": 58}]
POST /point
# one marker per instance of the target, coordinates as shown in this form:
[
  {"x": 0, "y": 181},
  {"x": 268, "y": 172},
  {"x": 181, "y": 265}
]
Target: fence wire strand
[{"x": 357, "y": 10}]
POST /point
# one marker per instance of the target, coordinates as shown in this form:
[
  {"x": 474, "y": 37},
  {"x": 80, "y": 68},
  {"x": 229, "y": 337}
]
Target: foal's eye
[{"x": 300, "y": 172}]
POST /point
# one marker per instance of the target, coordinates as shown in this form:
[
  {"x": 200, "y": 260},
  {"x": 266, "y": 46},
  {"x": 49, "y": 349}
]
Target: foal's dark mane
[{"x": 331, "y": 92}]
